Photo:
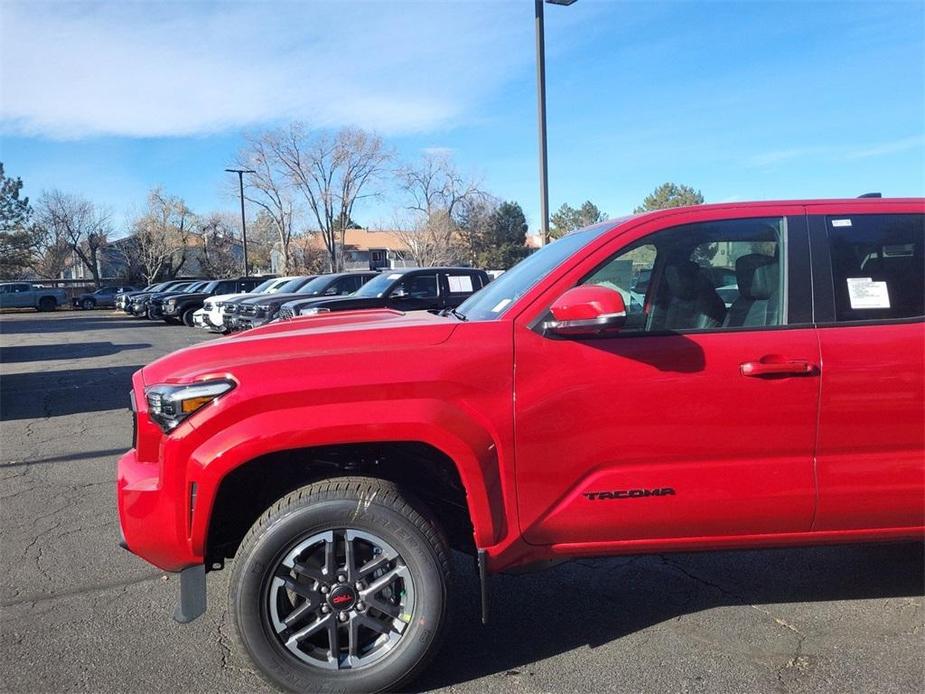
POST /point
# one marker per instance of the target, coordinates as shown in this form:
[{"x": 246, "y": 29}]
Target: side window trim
[
  {"x": 823, "y": 280},
  {"x": 799, "y": 309}
]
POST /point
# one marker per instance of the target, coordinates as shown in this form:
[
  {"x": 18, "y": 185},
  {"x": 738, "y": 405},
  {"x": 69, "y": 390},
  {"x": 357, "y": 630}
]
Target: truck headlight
[
  {"x": 168, "y": 405},
  {"x": 314, "y": 311}
]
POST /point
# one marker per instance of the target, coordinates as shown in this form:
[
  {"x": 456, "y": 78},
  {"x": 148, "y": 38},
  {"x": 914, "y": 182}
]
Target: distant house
[
  {"x": 363, "y": 250},
  {"x": 374, "y": 250}
]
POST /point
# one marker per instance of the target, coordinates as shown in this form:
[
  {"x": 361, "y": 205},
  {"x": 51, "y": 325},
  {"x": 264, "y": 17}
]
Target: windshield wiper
[{"x": 454, "y": 313}]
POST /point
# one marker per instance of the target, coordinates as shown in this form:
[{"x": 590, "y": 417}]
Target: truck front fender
[{"x": 445, "y": 426}]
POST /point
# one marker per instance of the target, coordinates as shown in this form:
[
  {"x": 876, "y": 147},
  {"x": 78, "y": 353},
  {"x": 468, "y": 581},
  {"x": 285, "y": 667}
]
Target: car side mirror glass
[{"x": 589, "y": 310}]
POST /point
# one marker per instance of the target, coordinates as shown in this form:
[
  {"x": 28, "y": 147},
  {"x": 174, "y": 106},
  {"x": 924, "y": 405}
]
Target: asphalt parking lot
[{"x": 80, "y": 614}]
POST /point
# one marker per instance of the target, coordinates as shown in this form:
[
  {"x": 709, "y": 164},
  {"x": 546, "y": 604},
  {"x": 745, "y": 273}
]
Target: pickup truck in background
[{"x": 28, "y": 295}]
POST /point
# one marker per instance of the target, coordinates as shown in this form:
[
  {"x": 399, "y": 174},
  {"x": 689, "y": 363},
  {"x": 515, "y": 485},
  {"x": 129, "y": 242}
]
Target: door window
[
  {"x": 704, "y": 276},
  {"x": 878, "y": 266},
  {"x": 417, "y": 287}
]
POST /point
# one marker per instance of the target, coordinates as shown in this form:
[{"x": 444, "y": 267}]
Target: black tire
[
  {"x": 172, "y": 321},
  {"x": 88, "y": 304},
  {"x": 360, "y": 504},
  {"x": 47, "y": 303},
  {"x": 187, "y": 317}
]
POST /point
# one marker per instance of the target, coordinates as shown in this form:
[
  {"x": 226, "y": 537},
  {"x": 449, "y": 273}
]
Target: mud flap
[
  {"x": 192, "y": 594},
  {"x": 483, "y": 582}
]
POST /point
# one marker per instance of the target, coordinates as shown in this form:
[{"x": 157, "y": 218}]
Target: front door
[{"x": 699, "y": 418}]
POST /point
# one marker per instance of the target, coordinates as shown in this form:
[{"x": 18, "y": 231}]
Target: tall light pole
[
  {"x": 241, "y": 173},
  {"x": 541, "y": 110}
]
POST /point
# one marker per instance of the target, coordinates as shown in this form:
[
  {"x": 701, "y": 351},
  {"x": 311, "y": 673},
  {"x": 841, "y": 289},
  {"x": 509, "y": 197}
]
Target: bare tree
[
  {"x": 161, "y": 240},
  {"x": 332, "y": 172},
  {"x": 79, "y": 223},
  {"x": 432, "y": 241},
  {"x": 307, "y": 257},
  {"x": 438, "y": 198},
  {"x": 270, "y": 188},
  {"x": 434, "y": 185},
  {"x": 219, "y": 257}
]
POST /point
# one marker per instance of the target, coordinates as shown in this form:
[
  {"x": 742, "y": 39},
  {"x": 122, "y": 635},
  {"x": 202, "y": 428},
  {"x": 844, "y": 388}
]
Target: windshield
[
  {"x": 378, "y": 285},
  {"x": 263, "y": 286},
  {"x": 316, "y": 286},
  {"x": 291, "y": 285},
  {"x": 492, "y": 301}
]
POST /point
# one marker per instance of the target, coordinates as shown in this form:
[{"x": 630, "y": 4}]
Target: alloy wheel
[{"x": 341, "y": 599}]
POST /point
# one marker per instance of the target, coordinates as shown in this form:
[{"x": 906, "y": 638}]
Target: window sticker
[
  {"x": 841, "y": 222},
  {"x": 395, "y": 276},
  {"x": 459, "y": 284},
  {"x": 865, "y": 293},
  {"x": 500, "y": 305}
]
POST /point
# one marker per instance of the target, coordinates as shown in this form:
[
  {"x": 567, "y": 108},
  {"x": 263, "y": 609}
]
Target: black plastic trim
[
  {"x": 800, "y": 308},
  {"x": 483, "y": 581},
  {"x": 823, "y": 283},
  {"x": 192, "y": 602}
]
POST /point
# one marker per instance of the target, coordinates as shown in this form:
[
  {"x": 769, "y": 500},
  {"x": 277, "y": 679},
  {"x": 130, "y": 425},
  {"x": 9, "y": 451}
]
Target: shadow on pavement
[
  {"x": 70, "y": 458},
  {"x": 589, "y": 603},
  {"x": 75, "y": 350},
  {"x": 72, "y": 324},
  {"x": 55, "y": 393}
]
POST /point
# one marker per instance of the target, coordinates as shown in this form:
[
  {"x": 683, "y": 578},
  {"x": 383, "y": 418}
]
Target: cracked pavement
[{"x": 79, "y": 614}]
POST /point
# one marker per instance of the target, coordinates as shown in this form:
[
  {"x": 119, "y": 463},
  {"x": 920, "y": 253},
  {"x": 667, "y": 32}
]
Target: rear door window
[{"x": 878, "y": 266}]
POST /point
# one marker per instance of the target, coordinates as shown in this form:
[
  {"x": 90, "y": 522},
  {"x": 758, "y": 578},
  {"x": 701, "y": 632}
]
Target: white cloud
[
  {"x": 836, "y": 153},
  {"x": 146, "y": 70},
  {"x": 901, "y": 145}
]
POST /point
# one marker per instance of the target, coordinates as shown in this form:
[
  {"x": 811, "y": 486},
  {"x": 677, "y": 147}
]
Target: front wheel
[
  {"x": 87, "y": 304},
  {"x": 47, "y": 303},
  {"x": 341, "y": 586},
  {"x": 187, "y": 317}
]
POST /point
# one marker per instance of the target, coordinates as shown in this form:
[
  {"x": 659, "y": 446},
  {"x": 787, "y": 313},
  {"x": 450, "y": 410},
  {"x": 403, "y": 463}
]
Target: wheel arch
[{"x": 454, "y": 469}]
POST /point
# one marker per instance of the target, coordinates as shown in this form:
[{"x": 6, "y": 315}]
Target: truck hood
[
  {"x": 361, "y": 332},
  {"x": 228, "y": 297},
  {"x": 274, "y": 298}
]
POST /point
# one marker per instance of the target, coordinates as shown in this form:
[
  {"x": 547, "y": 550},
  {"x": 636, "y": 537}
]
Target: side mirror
[
  {"x": 587, "y": 310},
  {"x": 399, "y": 293}
]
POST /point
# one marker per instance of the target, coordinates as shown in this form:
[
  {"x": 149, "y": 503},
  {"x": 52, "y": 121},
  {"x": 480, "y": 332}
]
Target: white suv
[{"x": 211, "y": 316}]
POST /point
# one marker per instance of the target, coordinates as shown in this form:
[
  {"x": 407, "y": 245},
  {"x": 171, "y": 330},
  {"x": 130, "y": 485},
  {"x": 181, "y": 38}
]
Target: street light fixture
[
  {"x": 241, "y": 173},
  {"x": 541, "y": 110}
]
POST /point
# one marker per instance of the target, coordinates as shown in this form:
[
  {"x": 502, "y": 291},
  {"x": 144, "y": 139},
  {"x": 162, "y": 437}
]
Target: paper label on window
[
  {"x": 841, "y": 222},
  {"x": 395, "y": 276},
  {"x": 500, "y": 305},
  {"x": 459, "y": 283},
  {"x": 865, "y": 293}
]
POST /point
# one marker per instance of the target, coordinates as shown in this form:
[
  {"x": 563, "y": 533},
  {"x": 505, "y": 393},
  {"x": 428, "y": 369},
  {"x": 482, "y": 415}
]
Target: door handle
[{"x": 786, "y": 367}]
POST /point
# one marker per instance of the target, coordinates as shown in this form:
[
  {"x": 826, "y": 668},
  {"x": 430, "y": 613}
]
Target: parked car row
[{"x": 228, "y": 305}]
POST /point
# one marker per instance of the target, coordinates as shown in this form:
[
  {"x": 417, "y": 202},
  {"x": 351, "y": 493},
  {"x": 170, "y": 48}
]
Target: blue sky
[{"x": 742, "y": 100}]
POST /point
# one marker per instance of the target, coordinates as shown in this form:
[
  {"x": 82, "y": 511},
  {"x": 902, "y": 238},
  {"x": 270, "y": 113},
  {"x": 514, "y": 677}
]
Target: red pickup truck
[{"x": 720, "y": 376}]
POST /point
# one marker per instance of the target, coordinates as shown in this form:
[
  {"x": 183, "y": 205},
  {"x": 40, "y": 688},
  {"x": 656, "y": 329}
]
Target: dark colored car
[
  {"x": 179, "y": 308},
  {"x": 138, "y": 305},
  {"x": 232, "y": 310},
  {"x": 101, "y": 297},
  {"x": 263, "y": 309},
  {"x": 124, "y": 300},
  {"x": 410, "y": 289}
]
